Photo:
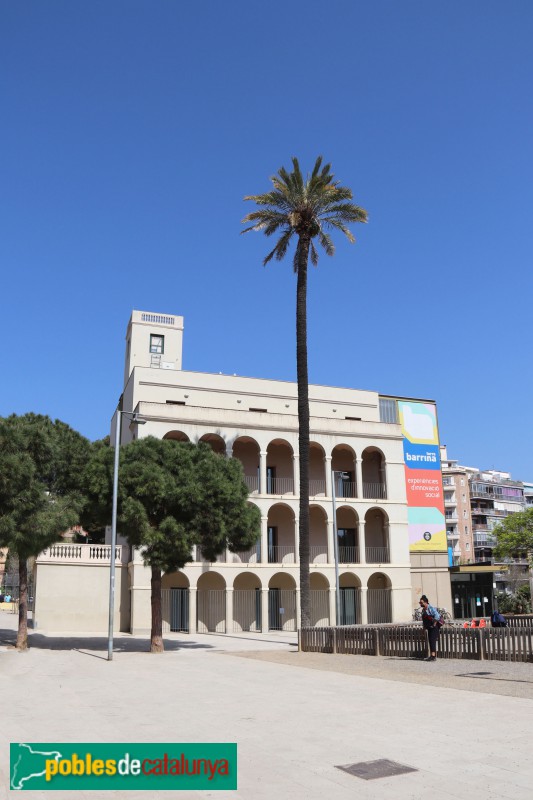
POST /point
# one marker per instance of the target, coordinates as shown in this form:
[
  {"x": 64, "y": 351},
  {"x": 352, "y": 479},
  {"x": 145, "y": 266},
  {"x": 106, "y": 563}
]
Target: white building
[{"x": 354, "y": 434}]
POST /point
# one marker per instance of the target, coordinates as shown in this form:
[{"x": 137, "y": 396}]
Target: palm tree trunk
[
  {"x": 303, "y": 426},
  {"x": 22, "y": 635},
  {"x": 156, "y": 640}
]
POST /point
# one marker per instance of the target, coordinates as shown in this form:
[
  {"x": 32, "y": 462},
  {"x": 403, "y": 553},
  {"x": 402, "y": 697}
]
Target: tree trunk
[
  {"x": 22, "y": 635},
  {"x": 303, "y": 426},
  {"x": 156, "y": 641}
]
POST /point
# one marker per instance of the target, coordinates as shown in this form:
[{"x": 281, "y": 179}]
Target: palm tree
[{"x": 307, "y": 209}]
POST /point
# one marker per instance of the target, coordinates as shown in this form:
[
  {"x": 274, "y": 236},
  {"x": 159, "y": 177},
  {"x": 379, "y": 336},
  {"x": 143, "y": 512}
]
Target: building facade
[
  {"x": 389, "y": 549},
  {"x": 356, "y": 453}
]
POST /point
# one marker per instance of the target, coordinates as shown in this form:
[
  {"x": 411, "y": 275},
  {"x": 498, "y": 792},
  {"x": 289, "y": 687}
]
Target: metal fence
[
  {"x": 379, "y": 606},
  {"x": 282, "y": 609},
  {"x": 410, "y": 641},
  {"x": 211, "y": 610},
  {"x": 319, "y": 606},
  {"x": 246, "y": 610},
  {"x": 175, "y": 610}
]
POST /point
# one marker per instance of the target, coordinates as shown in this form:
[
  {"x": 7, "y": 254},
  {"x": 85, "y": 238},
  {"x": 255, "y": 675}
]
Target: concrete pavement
[{"x": 295, "y": 717}]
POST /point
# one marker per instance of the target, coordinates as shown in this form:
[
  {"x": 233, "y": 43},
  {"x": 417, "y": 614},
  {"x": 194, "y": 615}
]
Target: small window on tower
[{"x": 157, "y": 344}]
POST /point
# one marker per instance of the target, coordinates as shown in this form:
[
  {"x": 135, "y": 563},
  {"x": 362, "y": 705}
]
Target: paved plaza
[{"x": 465, "y": 727}]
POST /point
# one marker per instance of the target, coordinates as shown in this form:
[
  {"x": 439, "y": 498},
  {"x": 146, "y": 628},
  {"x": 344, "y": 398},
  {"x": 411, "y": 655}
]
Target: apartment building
[
  {"x": 494, "y": 495},
  {"x": 374, "y": 458},
  {"x": 456, "y": 488}
]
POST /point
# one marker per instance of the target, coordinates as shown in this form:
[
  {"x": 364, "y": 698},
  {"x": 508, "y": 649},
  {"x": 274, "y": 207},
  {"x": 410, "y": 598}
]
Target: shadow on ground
[{"x": 96, "y": 644}]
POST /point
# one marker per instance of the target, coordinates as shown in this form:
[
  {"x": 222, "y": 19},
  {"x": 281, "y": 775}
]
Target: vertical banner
[{"x": 423, "y": 476}]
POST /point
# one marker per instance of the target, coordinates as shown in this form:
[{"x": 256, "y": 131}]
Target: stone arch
[
  {"x": 350, "y": 599},
  {"x": 319, "y": 599},
  {"x": 175, "y": 602},
  {"x": 379, "y": 598},
  {"x": 215, "y": 442},
  {"x": 282, "y": 602},
  {"x": 211, "y": 603},
  {"x": 279, "y": 467},
  {"x": 246, "y": 450},
  {"x": 247, "y": 598},
  {"x": 250, "y": 556},
  {"x": 343, "y": 460},
  {"x": 377, "y": 536},
  {"x": 178, "y": 436},
  {"x": 281, "y": 534},
  {"x": 318, "y": 581},
  {"x": 175, "y": 580},
  {"x": 318, "y": 535},
  {"x": 374, "y": 472},
  {"x": 348, "y": 535},
  {"x": 317, "y": 470}
]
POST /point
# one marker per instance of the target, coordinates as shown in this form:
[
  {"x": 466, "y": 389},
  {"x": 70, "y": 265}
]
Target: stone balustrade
[{"x": 68, "y": 553}]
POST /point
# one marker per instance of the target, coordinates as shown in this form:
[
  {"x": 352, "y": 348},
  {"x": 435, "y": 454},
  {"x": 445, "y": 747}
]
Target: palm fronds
[{"x": 307, "y": 207}]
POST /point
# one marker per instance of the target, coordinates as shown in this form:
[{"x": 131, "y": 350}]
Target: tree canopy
[
  {"x": 41, "y": 467},
  {"x": 514, "y": 536},
  {"x": 173, "y": 495}
]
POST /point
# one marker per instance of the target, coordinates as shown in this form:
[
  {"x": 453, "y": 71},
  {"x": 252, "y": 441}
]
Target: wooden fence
[{"x": 410, "y": 641}]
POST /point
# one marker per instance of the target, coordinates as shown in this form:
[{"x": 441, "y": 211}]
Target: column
[
  {"x": 364, "y": 607},
  {"x": 331, "y": 543},
  {"x": 386, "y": 531},
  {"x": 359, "y": 477},
  {"x": 298, "y": 609},
  {"x": 229, "y": 610},
  {"x": 264, "y": 610},
  {"x": 264, "y": 540},
  {"x": 193, "y": 591},
  {"x": 296, "y": 473},
  {"x": 296, "y": 540},
  {"x": 262, "y": 472},
  {"x": 327, "y": 467},
  {"x": 229, "y": 449},
  {"x": 332, "y": 606},
  {"x": 362, "y": 542}
]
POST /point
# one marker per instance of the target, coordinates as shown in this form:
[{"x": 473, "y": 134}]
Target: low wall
[{"x": 75, "y": 597}]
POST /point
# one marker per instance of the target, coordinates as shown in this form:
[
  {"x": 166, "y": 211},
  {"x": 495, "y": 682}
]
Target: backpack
[{"x": 497, "y": 620}]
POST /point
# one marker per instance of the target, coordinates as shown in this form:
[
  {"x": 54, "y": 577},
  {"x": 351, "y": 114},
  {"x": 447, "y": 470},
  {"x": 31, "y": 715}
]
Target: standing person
[{"x": 430, "y": 618}]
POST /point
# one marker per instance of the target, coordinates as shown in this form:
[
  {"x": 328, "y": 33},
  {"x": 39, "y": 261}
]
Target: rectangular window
[
  {"x": 467, "y": 546},
  {"x": 388, "y": 410},
  {"x": 157, "y": 344}
]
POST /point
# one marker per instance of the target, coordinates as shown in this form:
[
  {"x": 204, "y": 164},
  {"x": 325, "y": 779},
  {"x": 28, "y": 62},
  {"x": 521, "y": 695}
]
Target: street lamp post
[
  {"x": 336, "y": 550},
  {"x": 118, "y": 428}
]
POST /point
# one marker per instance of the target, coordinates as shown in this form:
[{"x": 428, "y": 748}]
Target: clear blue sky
[{"x": 132, "y": 130}]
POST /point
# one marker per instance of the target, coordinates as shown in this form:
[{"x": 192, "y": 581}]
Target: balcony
[
  {"x": 252, "y": 482},
  {"x": 377, "y": 555},
  {"x": 317, "y": 488},
  {"x": 281, "y": 554},
  {"x": 374, "y": 491},
  {"x": 484, "y": 540},
  {"x": 280, "y": 486},
  {"x": 345, "y": 489},
  {"x": 348, "y": 555},
  {"x": 318, "y": 554},
  {"x": 489, "y": 512},
  {"x": 220, "y": 559},
  {"x": 251, "y": 556}
]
